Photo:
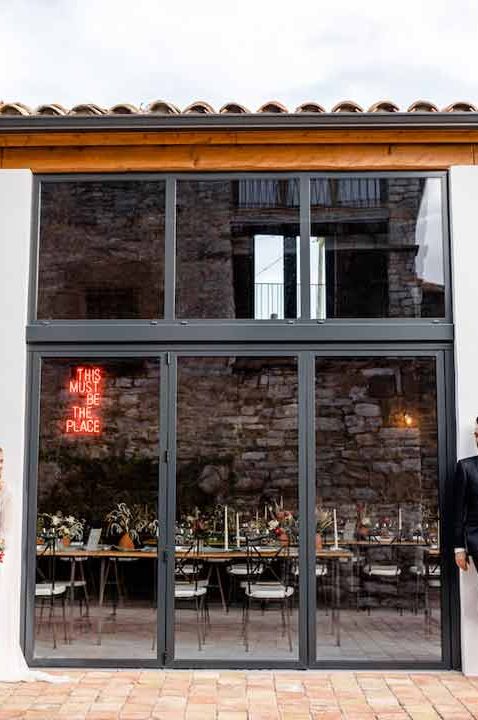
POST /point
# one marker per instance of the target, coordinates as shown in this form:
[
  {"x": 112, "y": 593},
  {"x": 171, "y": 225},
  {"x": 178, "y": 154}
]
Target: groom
[{"x": 466, "y": 510}]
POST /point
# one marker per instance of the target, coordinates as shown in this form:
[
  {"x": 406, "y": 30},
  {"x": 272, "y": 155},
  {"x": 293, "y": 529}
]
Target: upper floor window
[
  {"x": 376, "y": 248},
  {"x": 237, "y": 249},
  {"x": 101, "y": 253}
]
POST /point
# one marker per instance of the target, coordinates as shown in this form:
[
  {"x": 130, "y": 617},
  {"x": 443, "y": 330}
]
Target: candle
[
  {"x": 336, "y": 534},
  {"x": 438, "y": 529},
  {"x": 281, "y": 502},
  {"x": 399, "y": 519},
  {"x": 257, "y": 517},
  {"x": 226, "y": 529},
  {"x": 265, "y": 511},
  {"x": 238, "y": 536}
]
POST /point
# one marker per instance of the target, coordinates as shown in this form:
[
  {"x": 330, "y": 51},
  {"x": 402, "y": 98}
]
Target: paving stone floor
[{"x": 240, "y": 695}]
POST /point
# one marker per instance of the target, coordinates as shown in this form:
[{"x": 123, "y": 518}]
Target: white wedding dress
[{"x": 13, "y": 667}]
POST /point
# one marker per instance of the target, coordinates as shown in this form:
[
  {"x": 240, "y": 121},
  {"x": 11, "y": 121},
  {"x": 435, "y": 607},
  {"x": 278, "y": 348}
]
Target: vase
[
  {"x": 126, "y": 542},
  {"x": 65, "y": 541},
  {"x": 318, "y": 541},
  {"x": 283, "y": 538},
  {"x": 363, "y": 532}
]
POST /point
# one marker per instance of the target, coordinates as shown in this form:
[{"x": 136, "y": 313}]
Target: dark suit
[{"x": 466, "y": 506}]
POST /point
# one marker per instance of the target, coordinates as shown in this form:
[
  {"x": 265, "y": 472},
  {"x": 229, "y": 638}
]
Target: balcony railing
[{"x": 269, "y": 301}]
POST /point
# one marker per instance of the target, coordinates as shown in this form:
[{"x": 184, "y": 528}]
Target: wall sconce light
[{"x": 407, "y": 419}]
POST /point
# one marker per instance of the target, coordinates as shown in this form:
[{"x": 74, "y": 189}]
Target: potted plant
[
  {"x": 323, "y": 520},
  {"x": 130, "y": 523}
]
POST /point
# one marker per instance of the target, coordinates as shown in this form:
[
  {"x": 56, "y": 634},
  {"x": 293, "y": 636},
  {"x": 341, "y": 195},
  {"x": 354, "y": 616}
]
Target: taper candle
[
  {"x": 226, "y": 529},
  {"x": 336, "y": 534},
  {"x": 238, "y": 536}
]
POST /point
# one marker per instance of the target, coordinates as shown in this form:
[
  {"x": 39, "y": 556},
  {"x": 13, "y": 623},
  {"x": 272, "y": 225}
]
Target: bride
[{"x": 13, "y": 667}]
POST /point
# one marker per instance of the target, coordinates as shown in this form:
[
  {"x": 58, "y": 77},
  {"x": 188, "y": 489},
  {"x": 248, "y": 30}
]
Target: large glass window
[
  {"x": 97, "y": 509},
  {"x": 237, "y": 249},
  {"x": 237, "y": 522},
  {"x": 378, "y": 569},
  {"x": 101, "y": 254},
  {"x": 377, "y": 248}
]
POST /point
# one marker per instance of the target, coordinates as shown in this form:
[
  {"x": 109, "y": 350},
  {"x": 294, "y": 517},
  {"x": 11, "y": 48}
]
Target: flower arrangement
[
  {"x": 364, "y": 522},
  {"x": 283, "y": 523},
  {"x": 323, "y": 520},
  {"x": 57, "y": 525},
  {"x": 2, "y": 549},
  {"x": 135, "y": 522}
]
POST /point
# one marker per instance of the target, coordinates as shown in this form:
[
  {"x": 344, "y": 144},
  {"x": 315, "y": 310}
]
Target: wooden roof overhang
[{"x": 261, "y": 142}]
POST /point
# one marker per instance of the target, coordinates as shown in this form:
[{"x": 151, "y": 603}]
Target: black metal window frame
[
  {"x": 171, "y": 329},
  {"x": 306, "y": 356},
  {"x": 169, "y": 338}
]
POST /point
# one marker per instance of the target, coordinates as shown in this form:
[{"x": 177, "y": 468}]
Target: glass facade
[
  {"x": 376, "y": 248},
  {"x": 237, "y": 249},
  {"x": 205, "y": 492},
  {"x": 97, "y": 509},
  {"x": 101, "y": 250}
]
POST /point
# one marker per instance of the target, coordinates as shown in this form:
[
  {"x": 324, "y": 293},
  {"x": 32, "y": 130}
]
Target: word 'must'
[{"x": 86, "y": 386}]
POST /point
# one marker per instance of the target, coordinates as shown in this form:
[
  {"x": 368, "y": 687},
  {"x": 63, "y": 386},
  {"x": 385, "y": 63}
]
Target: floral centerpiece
[
  {"x": 58, "y": 526},
  {"x": 131, "y": 524},
  {"x": 283, "y": 524},
  {"x": 364, "y": 522}
]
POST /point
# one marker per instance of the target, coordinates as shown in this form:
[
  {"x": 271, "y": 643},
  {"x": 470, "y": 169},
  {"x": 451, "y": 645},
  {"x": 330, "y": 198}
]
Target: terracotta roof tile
[{"x": 162, "y": 107}]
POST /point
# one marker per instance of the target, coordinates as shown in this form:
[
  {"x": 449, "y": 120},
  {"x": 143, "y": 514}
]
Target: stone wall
[{"x": 101, "y": 250}]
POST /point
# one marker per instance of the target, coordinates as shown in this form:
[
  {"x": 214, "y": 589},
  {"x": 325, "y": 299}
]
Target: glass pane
[
  {"x": 236, "y": 575},
  {"x": 101, "y": 251},
  {"x": 377, "y": 248},
  {"x": 378, "y": 592},
  {"x": 237, "y": 249},
  {"x": 97, "y": 524}
]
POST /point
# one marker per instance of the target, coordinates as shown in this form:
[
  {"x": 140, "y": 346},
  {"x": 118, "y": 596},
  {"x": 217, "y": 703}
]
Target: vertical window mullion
[
  {"x": 170, "y": 250},
  {"x": 304, "y": 247}
]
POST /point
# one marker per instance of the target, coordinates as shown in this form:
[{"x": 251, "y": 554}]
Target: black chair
[
  {"x": 49, "y": 590},
  {"x": 188, "y": 587},
  {"x": 275, "y": 565}
]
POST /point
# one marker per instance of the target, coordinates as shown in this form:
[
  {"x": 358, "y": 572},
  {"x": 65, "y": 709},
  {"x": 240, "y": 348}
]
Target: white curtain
[{"x": 13, "y": 667}]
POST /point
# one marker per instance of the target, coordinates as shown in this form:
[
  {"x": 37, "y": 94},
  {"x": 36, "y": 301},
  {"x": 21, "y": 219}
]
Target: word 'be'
[{"x": 86, "y": 385}]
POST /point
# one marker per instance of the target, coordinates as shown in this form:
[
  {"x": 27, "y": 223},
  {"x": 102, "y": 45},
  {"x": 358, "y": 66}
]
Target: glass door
[
  {"x": 378, "y": 569},
  {"x": 236, "y": 509},
  {"x": 96, "y": 511}
]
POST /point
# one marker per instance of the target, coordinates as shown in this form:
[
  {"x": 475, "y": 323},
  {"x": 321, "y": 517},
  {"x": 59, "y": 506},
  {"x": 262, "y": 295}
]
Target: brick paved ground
[{"x": 214, "y": 695}]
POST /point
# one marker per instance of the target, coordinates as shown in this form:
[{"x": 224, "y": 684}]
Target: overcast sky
[{"x": 107, "y": 51}]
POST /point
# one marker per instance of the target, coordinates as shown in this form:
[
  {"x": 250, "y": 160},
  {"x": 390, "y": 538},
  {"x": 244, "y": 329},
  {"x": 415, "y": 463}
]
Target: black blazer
[{"x": 466, "y": 505}]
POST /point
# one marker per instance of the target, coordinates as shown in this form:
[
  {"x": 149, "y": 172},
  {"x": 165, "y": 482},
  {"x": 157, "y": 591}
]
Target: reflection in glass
[
  {"x": 237, "y": 249},
  {"x": 97, "y": 523},
  {"x": 378, "y": 570},
  {"x": 236, "y": 579},
  {"x": 377, "y": 248},
  {"x": 101, "y": 254}
]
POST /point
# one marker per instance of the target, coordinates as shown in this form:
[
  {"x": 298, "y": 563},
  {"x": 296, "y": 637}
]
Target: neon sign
[{"x": 86, "y": 386}]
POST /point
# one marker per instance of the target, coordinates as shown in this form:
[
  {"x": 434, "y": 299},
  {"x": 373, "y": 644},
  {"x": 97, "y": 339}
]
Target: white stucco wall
[
  {"x": 464, "y": 229},
  {"x": 15, "y": 221}
]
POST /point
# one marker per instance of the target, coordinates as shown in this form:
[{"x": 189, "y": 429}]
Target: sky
[{"x": 249, "y": 51}]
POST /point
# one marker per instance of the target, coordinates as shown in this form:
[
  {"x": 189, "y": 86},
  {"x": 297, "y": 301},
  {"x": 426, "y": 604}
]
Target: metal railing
[
  {"x": 324, "y": 192},
  {"x": 269, "y": 301}
]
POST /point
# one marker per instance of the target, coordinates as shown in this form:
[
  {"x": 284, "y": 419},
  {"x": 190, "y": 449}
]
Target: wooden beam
[
  {"x": 240, "y": 157},
  {"x": 238, "y": 137}
]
